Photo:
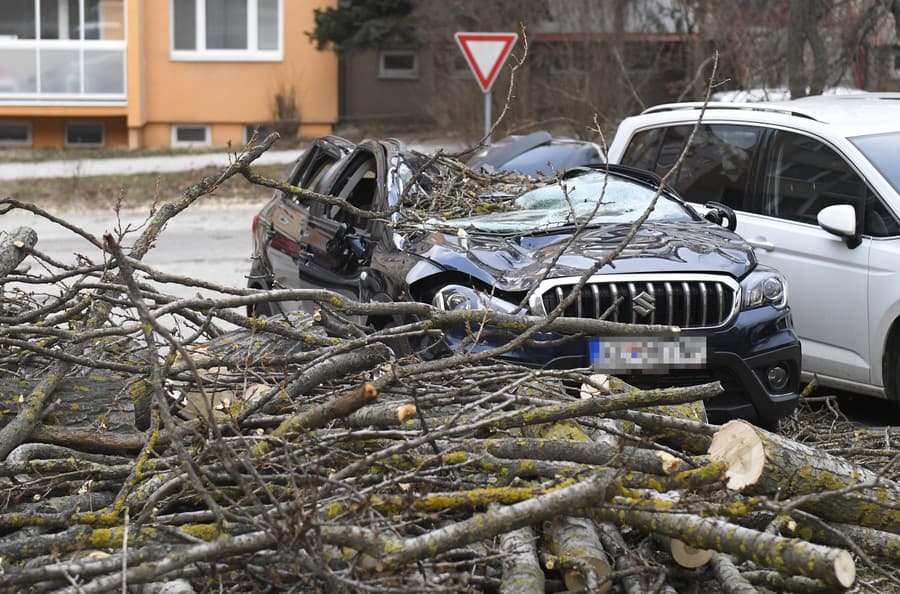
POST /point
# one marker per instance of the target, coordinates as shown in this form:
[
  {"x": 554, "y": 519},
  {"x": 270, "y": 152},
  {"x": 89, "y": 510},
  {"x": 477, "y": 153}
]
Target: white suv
[{"x": 815, "y": 184}]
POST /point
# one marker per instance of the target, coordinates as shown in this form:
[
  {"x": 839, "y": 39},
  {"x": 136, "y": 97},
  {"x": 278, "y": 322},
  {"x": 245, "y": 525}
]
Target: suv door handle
[{"x": 761, "y": 243}]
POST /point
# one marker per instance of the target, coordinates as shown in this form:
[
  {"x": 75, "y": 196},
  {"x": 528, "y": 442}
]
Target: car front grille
[{"x": 685, "y": 301}]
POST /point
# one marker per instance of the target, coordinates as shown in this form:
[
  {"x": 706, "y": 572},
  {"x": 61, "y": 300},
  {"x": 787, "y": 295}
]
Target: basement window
[
  {"x": 15, "y": 133},
  {"x": 397, "y": 64},
  {"x": 84, "y": 134},
  {"x": 191, "y": 135},
  {"x": 262, "y": 131}
]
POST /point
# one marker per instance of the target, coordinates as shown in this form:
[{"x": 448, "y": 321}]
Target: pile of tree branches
[{"x": 152, "y": 442}]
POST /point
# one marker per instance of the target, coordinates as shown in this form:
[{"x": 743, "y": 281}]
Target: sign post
[{"x": 485, "y": 54}]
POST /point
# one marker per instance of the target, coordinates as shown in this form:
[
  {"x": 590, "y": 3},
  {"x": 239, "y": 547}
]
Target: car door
[
  {"x": 333, "y": 248},
  {"x": 290, "y": 214},
  {"x": 827, "y": 278}
]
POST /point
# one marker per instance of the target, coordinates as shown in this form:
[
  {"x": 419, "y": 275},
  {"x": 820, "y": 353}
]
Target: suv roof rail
[{"x": 714, "y": 105}]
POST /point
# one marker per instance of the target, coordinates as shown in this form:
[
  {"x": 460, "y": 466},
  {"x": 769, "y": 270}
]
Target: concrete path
[{"x": 157, "y": 164}]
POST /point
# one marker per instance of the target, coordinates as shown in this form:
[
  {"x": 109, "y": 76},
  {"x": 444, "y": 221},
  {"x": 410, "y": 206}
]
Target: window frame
[
  {"x": 68, "y": 144},
  {"x": 859, "y": 204},
  {"x": 12, "y": 143},
  {"x": 81, "y": 45},
  {"x": 396, "y": 73},
  {"x": 201, "y": 54},
  {"x": 264, "y": 131},
  {"x": 191, "y": 143}
]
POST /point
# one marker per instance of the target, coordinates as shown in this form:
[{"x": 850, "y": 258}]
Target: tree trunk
[
  {"x": 799, "y": 13},
  {"x": 763, "y": 463},
  {"x": 833, "y": 566}
]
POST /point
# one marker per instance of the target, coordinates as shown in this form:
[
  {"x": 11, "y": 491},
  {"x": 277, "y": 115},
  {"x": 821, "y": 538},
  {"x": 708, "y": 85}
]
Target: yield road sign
[{"x": 486, "y": 53}]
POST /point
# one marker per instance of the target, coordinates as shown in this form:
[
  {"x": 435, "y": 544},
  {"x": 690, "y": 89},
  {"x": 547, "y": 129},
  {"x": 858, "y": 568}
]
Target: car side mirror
[
  {"x": 840, "y": 220},
  {"x": 720, "y": 214}
]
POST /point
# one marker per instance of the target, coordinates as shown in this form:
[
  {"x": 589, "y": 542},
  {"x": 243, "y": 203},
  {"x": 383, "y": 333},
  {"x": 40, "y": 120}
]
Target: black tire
[
  {"x": 892, "y": 373},
  {"x": 256, "y": 310}
]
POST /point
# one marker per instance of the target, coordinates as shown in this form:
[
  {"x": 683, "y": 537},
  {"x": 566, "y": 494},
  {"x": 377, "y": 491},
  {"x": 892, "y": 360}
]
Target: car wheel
[
  {"x": 256, "y": 310},
  {"x": 259, "y": 310},
  {"x": 890, "y": 364}
]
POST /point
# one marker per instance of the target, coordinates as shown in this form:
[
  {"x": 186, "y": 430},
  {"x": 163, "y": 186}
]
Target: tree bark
[
  {"x": 572, "y": 546},
  {"x": 686, "y": 434},
  {"x": 622, "y": 556},
  {"x": 14, "y": 248},
  {"x": 779, "y": 582},
  {"x": 96, "y": 403},
  {"x": 586, "y": 452},
  {"x": 522, "y": 573},
  {"x": 729, "y": 577},
  {"x": 764, "y": 463},
  {"x": 833, "y": 566}
]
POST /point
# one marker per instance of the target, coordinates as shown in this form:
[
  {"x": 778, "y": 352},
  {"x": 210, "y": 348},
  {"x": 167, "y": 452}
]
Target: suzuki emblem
[{"x": 643, "y": 304}]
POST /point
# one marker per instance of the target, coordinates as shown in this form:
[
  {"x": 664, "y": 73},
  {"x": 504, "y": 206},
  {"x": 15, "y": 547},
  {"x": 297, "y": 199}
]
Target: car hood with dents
[{"x": 515, "y": 262}]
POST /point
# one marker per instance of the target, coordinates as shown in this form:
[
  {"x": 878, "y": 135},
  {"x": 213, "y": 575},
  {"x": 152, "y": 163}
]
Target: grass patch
[{"x": 138, "y": 190}]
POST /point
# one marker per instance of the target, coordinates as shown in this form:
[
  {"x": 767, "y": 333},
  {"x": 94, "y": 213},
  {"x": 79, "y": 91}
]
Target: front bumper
[{"x": 738, "y": 355}]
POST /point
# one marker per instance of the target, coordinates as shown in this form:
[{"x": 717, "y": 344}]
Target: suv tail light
[{"x": 255, "y": 223}]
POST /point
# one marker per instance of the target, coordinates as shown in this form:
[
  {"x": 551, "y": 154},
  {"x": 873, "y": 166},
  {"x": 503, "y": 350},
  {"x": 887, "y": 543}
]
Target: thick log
[
  {"x": 623, "y": 558},
  {"x": 686, "y": 434},
  {"x": 685, "y": 555},
  {"x": 778, "y": 582},
  {"x": 760, "y": 462},
  {"x": 586, "y": 452},
  {"x": 833, "y": 566},
  {"x": 14, "y": 248},
  {"x": 98, "y": 403},
  {"x": 873, "y": 542},
  {"x": 729, "y": 577},
  {"x": 572, "y": 546},
  {"x": 522, "y": 573}
]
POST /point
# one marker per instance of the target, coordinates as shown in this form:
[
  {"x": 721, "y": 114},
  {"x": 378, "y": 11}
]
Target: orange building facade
[{"x": 155, "y": 73}]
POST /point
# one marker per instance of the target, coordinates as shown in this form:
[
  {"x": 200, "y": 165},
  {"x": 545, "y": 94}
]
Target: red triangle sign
[{"x": 486, "y": 53}]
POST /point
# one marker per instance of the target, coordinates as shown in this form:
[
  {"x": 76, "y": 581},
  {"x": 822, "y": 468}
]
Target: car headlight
[
  {"x": 454, "y": 297},
  {"x": 764, "y": 286}
]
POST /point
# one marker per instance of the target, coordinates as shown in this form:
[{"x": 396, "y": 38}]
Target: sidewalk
[{"x": 158, "y": 164}]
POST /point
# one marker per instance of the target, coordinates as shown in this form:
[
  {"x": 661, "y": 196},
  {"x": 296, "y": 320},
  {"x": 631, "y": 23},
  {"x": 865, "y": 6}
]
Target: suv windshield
[
  {"x": 881, "y": 150},
  {"x": 594, "y": 196}
]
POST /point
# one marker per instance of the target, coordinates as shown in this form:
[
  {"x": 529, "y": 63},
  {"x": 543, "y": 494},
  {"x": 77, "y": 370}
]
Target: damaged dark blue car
[{"x": 679, "y": 269}]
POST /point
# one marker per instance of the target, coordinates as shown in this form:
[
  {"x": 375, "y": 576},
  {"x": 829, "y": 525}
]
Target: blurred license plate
[{"x": 621, "y": 354}]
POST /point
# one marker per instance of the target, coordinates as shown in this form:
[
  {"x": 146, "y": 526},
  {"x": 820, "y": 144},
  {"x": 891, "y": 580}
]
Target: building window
[
  {"x": 262, "y": 132},
  {"x": 15, "y": 133},
  {"x": 227, "y": 30},
  {"x": 191, "y": 135},
  {"x": 397, "y": 64},
  {"x": 62, "y": 50},
  {"x": 84, "y": 134}
]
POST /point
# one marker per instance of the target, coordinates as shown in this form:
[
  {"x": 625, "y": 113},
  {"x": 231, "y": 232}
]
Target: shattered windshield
[{"x": 593, "y": 198}]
